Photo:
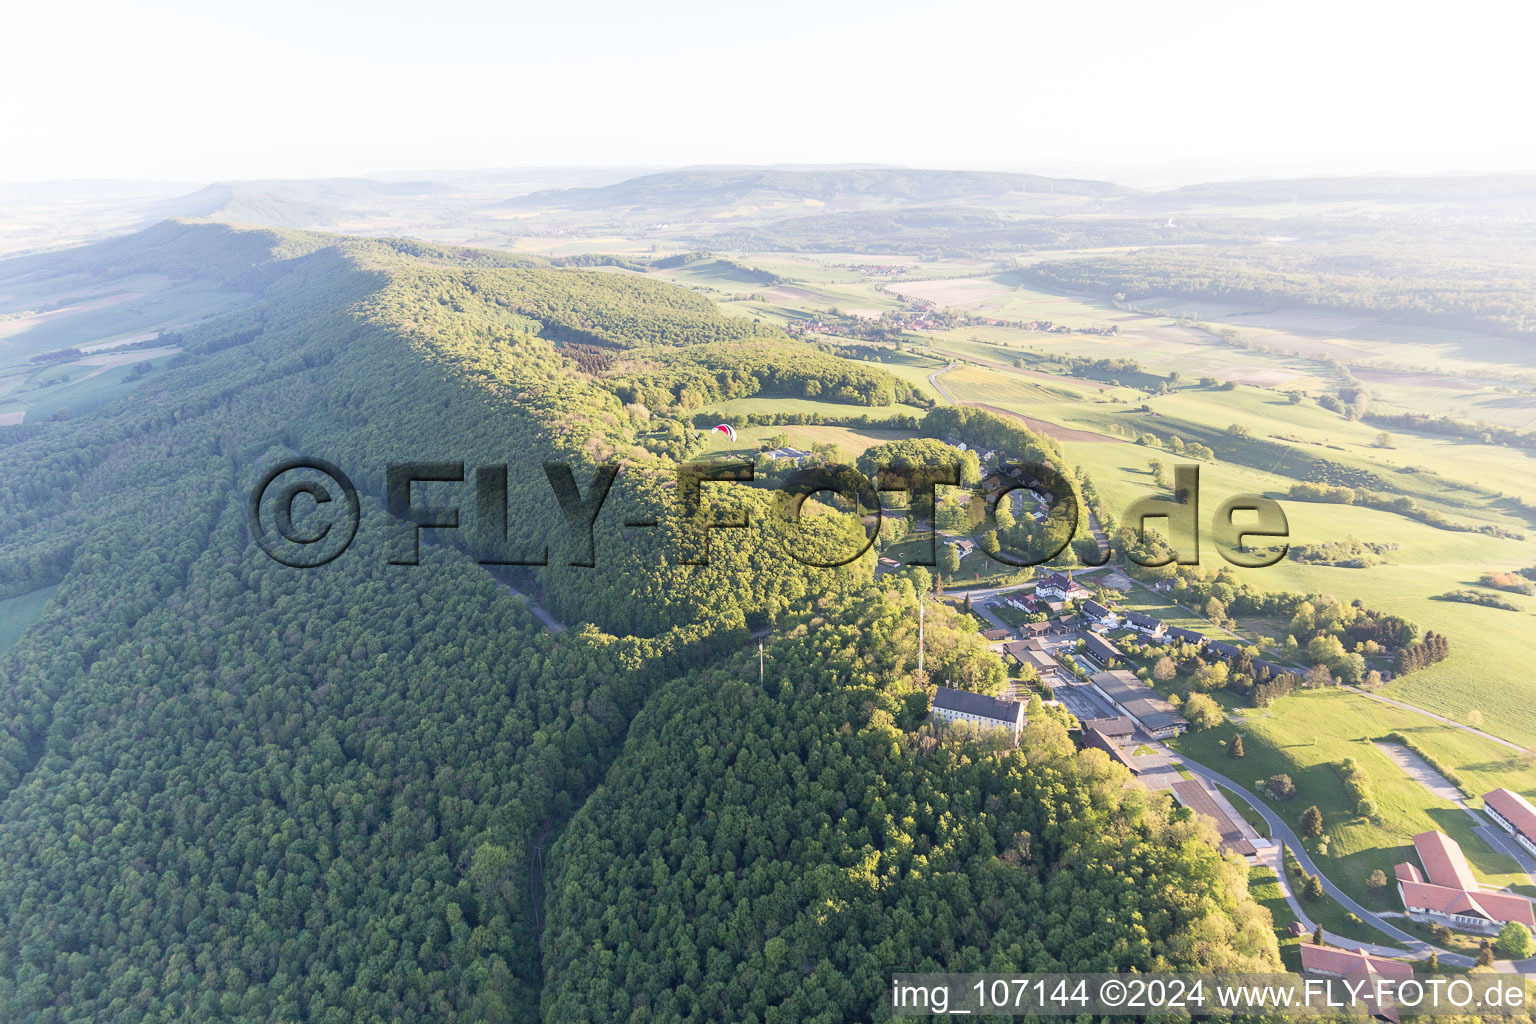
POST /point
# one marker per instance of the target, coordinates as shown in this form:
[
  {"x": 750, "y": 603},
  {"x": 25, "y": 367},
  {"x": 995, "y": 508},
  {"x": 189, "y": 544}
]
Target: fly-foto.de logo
[{"x": 305, "y": 512}]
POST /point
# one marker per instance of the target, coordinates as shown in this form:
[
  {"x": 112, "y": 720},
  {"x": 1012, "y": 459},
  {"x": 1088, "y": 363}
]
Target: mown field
[
  {"x": 1282, "y": 442},
  {"x": 1306, "y": 736}
]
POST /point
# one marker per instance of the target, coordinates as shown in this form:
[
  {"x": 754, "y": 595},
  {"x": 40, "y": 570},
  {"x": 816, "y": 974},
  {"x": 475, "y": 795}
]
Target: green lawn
[
  {"x": 1306, "y": 735},
  {"x": 17, "y": 613},
  {"x": 1330, "y": 914},
  {"x": 1246, "y": 809},
  {"x": 1264, "y": 888}
]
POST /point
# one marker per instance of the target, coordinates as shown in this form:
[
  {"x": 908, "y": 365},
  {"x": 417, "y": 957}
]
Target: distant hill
[
  {"x": 1454, "y": 189},
  {"x": 706, "y": 186},
  {"x": 294, "y": 203},
  {"x": 969, "y": 231}
]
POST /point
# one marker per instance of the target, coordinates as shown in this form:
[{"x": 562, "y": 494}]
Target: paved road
[
  {"x": 1281, "y": 832},
  {"x": 933, "y": 378}
]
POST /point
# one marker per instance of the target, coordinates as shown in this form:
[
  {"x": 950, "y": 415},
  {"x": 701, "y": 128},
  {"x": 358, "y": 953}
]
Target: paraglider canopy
[{"x": 727, "y": 430}]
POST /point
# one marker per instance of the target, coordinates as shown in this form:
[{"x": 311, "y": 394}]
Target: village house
[
  {"x": 1060, "y": 587},
  {"x": 1359, "y": 967},
  {"x": 786, "y": 454},
  {"x": 1099, "y": 615},
  {"x": 1146, "y": 625},
  {"x": 1185, "y": 636},
  {"x": 996, "y": 635},
  {"x": 963, "y": 546},
  {"x": 1131, "y": 697},
  {"x": 1514, "y": 814},
  {"x": 1102, "y": 651},
  {"x": 979, "y": 709},
  {"x": 1446, "y": 892}
]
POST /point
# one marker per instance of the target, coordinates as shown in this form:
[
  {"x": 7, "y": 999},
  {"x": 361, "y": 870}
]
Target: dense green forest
[
  {"x": 691, "y": 377},
  {"x": 230, "y": 790},
  {"x": 768, "y": 853}
]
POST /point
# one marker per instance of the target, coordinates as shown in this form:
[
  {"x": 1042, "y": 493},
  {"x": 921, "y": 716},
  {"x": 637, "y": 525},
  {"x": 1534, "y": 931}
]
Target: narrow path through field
[{"x": 1439, "y": 718}]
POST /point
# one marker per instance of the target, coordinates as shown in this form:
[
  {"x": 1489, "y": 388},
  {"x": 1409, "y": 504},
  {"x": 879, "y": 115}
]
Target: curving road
[
  {"x": 933, "y": 378},
  {"x": 1282, "y": 832}
]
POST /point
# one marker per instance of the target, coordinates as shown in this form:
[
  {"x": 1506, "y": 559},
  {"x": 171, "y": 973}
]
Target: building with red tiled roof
[
  {"x": 1485, "y": 912},
  {"x": 1446, "y": 891},
  {"x": 1346, "y": 962},
  {"x": 1444, "y": 863},
  {"x": 1356, "y": 963},
  {"x": 1514, "y": 814}
]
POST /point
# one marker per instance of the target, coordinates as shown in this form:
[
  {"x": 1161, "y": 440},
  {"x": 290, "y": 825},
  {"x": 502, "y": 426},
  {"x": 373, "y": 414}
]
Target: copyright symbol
[
  {"x": 307, "y": 533},
  {"x": 1112, "y": 993}
]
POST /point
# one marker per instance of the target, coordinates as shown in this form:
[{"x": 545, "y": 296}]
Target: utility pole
[{"x": 919, "y": 634}]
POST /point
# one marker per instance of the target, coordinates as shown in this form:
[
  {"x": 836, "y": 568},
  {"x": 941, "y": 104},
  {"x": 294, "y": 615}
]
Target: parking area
[{"x": 1082, "y": 701}]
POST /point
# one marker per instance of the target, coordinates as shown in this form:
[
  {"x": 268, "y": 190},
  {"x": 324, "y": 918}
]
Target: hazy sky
[{"x": 1137, "y": 91}]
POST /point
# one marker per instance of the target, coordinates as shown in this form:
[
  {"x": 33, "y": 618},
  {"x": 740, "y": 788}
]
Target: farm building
[
  {"x": 1120, "y": 729},
  {"x": 1514, "y": 814},
  {"x": 1102, "y": 651},
  {"x": 1192, "y": 794},
  {"x": 1096, "y": 739},
  {"x": 1446, "y": 892},
  {"x": 1135, "y": 699}
]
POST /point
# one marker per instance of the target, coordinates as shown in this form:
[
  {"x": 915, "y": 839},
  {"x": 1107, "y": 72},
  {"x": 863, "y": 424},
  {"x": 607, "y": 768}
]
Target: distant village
[
  {"x": 1072, "y": 652},
  {"x": 921, "y": 315}
]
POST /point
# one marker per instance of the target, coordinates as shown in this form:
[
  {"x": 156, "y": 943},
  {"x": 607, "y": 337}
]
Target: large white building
[
  {"x": 1514, "y": 814},
  {"x": 1447, "y": 892},
  {"x": 979, "y": 709}
]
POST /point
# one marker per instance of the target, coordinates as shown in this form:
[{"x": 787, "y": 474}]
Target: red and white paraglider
[{"x": 726, "y": 429}]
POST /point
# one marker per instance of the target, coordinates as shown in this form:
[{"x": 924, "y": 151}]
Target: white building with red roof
[
  {"x": 1447, "y": 892},
  {"x": 1357, "y": 964},
  {"x": 1344, "y": 963},
  {"x": 1514, "y": 814}
]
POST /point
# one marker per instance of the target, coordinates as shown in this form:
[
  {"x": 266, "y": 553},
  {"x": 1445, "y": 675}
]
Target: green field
[
  {"x": 17, "y": 613},
  {"x": 1462, "y": 482},
  {"x": 1306, "y": 735},
  {"x": 851, "y": 441}
]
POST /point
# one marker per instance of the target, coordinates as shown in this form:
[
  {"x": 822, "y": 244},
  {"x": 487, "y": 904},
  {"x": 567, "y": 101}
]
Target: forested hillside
[
  {"x": 230, "y": 790},
  {"x": 771, "y": 852},
  {"x": 688, "y": 187}
]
